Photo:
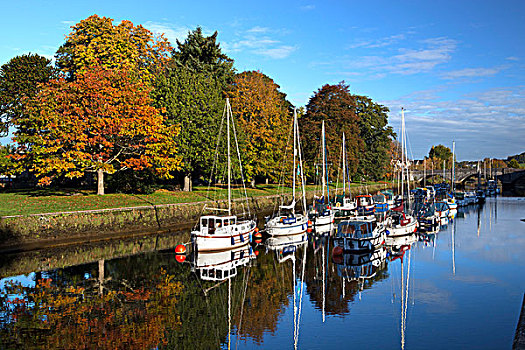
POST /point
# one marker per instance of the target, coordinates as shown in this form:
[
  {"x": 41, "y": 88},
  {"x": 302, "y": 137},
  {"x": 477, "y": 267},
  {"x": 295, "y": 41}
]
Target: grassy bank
[
  {"x": 38, "y": 201},
  {"x": 34, "y": 217}
]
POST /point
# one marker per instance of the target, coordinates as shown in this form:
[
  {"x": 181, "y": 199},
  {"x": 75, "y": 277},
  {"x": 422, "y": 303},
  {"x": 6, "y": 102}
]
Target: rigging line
[
  {"x": 301, "y": 296},
  {"x": 216, "y": 158},
  {"x": 240, "y": 163}
]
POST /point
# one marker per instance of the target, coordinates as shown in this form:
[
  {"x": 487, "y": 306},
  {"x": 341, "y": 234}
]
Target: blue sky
[{"x": 456, "y": 66}]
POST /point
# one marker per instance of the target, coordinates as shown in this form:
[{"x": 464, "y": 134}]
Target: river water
[{"x": 460, "y": 288}]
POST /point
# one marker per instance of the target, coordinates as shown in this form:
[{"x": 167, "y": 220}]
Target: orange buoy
[
  {"x": 256, "y": 253},
  {"x": 258, "y": 240},
  {"x": 256, "y": 229},
  {"x": 309, "y": 223},
  {"x": 309, "y": 229},
  {"x": 180, "y": 258},
  {"x": 180, "y": 249},
  {"x": 257, "y": 234}
]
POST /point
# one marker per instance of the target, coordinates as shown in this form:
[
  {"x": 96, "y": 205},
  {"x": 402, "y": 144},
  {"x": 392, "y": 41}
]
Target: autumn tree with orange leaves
[
  {"x": 102, "y": 122},
  {"x": 264, "y": 118}
]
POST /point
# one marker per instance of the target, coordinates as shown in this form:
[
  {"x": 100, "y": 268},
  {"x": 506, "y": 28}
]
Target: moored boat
[{"x": 360, "y": 236}]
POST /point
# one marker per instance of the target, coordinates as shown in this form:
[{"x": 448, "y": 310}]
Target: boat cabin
[
  {"x": 210, "y": 223},
  {"x": 364, "y": 200},
  {"x": 215, "y": 274}
]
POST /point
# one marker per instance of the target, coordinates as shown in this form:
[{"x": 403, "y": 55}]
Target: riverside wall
[{"x": 78, "y": 226}]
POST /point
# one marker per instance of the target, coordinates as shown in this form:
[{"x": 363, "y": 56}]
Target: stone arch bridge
[{"x": 505, "y": 175}]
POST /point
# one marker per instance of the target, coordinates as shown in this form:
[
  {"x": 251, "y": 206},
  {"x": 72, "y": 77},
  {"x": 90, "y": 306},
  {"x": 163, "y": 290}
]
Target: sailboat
[
  {"x": 287, "y": 221},
  {"x": 400, "y": 223},
  {"x": 224, "y": 232},
  {"x": 322, "y": 215},
  {"x": 344, "y": 206}
]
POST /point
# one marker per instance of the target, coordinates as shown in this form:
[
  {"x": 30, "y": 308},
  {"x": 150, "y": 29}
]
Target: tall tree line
[{"x": 122, "y": 102}]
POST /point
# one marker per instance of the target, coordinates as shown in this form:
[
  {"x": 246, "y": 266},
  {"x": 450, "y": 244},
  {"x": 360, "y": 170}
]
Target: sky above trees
[{"x": 456, "y": 66}]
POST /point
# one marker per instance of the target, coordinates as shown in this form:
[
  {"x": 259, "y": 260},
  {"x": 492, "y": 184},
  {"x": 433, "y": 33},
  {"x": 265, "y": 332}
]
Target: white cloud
[
  {"x": 471, "y": 73},
  {"x": 490, "y": 122},
  {"x": 428, "y": 54},
  {"x": 280, "y": 52},
  {"x": 257, "y": 41},
  {"x": 512, "y": 58},
  {"x": 170, "y": 31},
  {"x": 258, "y": 29},
  {"x": 307, "y": 7}
]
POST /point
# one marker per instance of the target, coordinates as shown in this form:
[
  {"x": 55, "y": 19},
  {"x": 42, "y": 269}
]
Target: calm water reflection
[{"x": 461, "y": 287}]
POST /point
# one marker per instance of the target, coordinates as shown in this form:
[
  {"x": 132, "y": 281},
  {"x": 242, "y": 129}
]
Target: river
[{"x": 460, "y": 288}]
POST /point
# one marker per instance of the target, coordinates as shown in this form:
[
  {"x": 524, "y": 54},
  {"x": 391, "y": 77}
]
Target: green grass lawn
[{"x": 37, "y": 201}]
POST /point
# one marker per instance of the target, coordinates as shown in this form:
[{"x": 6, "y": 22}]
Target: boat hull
[
  {"x": 281, "y": 226},
  {"x": 230, "y": 237}
]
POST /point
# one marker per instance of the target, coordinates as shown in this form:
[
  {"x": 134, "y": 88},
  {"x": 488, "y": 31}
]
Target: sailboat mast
[
  {"x": 402, "y": 152},
  {"x": 228, "y": 114},
  {"x": 453, "y": 168},
  {"x": 294, "y": 152},
  {"x": 324, "y": 155},
  {"x": 344, "y": 167}
]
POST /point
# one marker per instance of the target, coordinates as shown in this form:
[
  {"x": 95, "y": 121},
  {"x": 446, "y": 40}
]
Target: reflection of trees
[
  {"x": 50, "y": 315},
  {"x": 335, "y": 303},
  {"x": 267, "y": 294}
]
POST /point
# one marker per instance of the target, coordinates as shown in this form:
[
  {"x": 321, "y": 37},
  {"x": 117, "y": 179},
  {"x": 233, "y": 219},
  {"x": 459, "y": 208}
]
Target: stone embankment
[{"x": 49, "y": 229}]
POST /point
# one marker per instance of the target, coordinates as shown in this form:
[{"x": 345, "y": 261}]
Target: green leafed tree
[
  {"x": 440, "y": 153},
  {"x": 513, "y": 163},
  {"x": 376, "y": 135},
  {"x": 203, "y": 54},
  {"x": 192, "y": 95},
  {"x": 20, "y": 80},
  {"x": 194, "y": 101}
]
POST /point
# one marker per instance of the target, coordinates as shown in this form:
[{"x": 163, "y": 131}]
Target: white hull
[
  {"x": 283, "y": 226},
  {"x": 398, "y": 230},
  {"x": 324, "y": 220},
  {"x": 224, "y": 238}
]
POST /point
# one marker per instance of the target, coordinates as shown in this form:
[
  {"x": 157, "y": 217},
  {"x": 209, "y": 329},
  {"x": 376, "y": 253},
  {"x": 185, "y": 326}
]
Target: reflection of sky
[{"x": 465, "y": 293}]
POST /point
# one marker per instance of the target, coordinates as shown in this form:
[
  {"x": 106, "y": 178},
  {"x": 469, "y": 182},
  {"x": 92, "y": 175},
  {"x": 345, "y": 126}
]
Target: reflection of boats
[
  {"x": 218, "y": 266},
  {"x": 222, "y": 232},
  {"x": 398, "y": 252},
  {"x": 364, "y": 235},
  {"x": 287, "y": 221},
  {"x": 394, "y": 242},
  {"x": 355, "y": 267},
  {"x": 286, "y": 246}
]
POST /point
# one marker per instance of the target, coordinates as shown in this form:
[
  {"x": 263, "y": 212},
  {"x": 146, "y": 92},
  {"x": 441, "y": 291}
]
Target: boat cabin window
[
  {"x": 363, "y": 201},
  {"x": 219, "y": 274},
  {"x": 226, "y": 222},
  {"x": 204, "y": 273},
  {"x": 204, "y": 223}
]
